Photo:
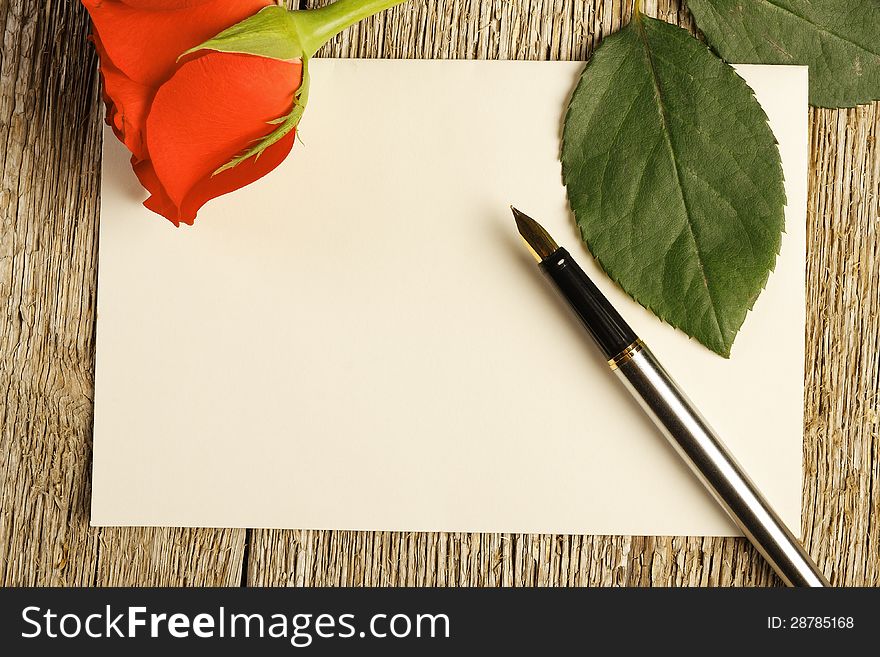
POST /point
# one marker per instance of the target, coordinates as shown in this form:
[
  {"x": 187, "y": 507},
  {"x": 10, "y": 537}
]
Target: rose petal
[
  {"x": 155, "y": 5},
  {"x": 211, "y": 186},
  {"x": 127, "y": 104},
  {"x": 213, "y": 108},
  {"x": 144, "y": 38}
]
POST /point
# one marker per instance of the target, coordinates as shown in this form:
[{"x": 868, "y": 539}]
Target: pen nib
[{"x": 538, "y": 239}]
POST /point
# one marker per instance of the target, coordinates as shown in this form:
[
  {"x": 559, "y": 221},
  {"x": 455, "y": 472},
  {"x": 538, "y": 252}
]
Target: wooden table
[{"x": 50, "y": 129}]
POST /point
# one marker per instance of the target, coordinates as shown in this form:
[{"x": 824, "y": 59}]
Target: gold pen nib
[{"x": 538, "y": 240}]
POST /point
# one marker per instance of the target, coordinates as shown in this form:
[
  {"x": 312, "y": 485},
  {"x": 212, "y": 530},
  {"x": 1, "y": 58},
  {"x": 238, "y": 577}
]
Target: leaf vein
[
  {"x": 820, "y": 28},
  {"x": 664, "y": 119}
]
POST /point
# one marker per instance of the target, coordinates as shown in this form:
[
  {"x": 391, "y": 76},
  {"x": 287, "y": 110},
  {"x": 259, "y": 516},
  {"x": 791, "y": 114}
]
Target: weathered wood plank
[
  {"x": 842, "y": 446},
  {"x": 160, "y": 556},
  {"x": 49, "y": 166},
  {"x": 50, "y": 130},
  {"x": 48, "y": 208}
]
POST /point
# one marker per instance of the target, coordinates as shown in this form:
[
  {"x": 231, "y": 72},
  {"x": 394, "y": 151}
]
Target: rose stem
[{"x": 318, "y": 26}]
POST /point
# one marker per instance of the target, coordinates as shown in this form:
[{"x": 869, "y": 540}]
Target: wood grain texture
[{"x": 49, "y": 179}]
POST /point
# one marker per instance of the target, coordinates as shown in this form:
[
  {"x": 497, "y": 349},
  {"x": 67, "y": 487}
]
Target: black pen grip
[{"x": 604, "y": 323}]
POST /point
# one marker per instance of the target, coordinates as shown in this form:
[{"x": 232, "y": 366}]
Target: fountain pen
[{"x": 673, "y": 413}]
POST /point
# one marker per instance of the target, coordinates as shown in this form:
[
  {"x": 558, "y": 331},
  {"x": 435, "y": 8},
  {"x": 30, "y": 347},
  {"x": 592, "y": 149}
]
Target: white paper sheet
[{"x": 361, "y": 341}]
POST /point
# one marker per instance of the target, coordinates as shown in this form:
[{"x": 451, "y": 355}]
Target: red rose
[
  {"x": 206, "y": 94},
  {"x": 184, "y": 120}
]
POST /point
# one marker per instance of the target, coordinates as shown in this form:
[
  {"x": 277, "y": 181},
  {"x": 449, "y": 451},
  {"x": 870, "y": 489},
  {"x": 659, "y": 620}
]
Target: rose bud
[{"x": 207, "y": 94}]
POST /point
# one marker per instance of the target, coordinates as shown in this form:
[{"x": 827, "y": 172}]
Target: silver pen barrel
[
  {"x": 671, "y": 410},
  {"x": 717, "y": 469}
]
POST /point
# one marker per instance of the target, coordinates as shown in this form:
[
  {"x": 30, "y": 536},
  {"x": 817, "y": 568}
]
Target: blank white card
[{"x": 361, "y": 341}]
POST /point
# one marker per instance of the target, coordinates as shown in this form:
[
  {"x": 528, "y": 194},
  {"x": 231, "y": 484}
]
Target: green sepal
[
  {"x": 271, "y": 33},
  {"x": 285, "y": 124},
  {"x": 277, "y": 33}
]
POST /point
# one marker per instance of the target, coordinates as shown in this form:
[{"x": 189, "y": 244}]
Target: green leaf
[
  {"x": 675, "y": 179},
  {"x": 838, "y": 39},
  {"x": 271, "y": 32}
]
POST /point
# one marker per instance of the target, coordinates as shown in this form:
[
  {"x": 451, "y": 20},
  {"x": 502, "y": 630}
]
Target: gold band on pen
[{"x": 626, "y": 355}]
